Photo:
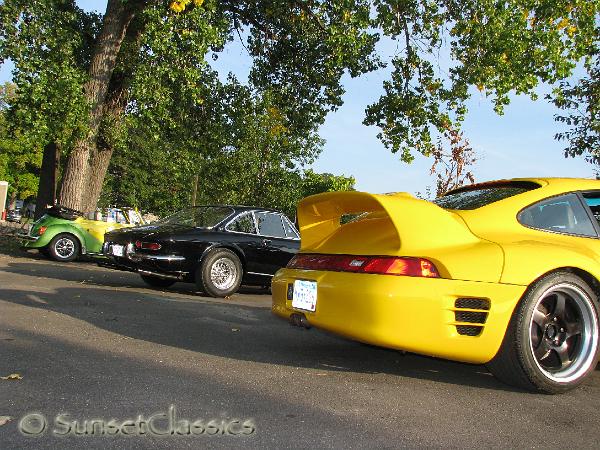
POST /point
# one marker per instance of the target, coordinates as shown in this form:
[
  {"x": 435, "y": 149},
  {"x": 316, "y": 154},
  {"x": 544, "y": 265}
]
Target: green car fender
[{"x": 53, "y": 230}]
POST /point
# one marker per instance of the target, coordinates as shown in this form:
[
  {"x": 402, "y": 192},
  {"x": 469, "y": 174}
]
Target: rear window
[{"x": 472, "y": 197}]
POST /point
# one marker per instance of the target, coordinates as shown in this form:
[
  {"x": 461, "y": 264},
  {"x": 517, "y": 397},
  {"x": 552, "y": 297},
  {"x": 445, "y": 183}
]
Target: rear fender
[
  {"x": 229, "y": 246},
  {"x": 94, "y": 231},
  {"x": 55, "y": 230}
]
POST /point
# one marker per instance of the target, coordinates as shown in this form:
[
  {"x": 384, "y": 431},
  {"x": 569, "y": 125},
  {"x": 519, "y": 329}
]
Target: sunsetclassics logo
[{"x": 159, "y": 424}]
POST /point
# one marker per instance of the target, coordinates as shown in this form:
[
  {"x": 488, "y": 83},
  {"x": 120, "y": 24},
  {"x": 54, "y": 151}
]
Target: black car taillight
[
  {"x": 147, "y": 245},
  {"x": 384, "y": 265}
]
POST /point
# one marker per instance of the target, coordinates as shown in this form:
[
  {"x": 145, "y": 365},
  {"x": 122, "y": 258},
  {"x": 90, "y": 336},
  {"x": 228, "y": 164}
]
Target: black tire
[
  {"x": 157, "y": 282},
  {"x": 551, "y": 344},
  {"x": 267, "y": 289},
  {"x": 64, "y": 247},
  {"x": 220, "y": 273}
]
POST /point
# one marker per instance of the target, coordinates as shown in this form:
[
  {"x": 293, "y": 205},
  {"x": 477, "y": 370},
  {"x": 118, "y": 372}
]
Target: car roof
[
  {"x": 240, "y": 208},
  {"x": 554, "y": 183},
  {"x": 536, "y": 189}
]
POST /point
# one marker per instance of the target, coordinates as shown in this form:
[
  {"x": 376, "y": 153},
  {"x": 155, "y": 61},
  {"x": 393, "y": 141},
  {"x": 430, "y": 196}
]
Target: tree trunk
[
  {"x": 116, "y": 20},
  {"x": 194, "y": 189},
  {"x": 48, "y": 175},
  {"x": 13, "y": 200},
  {"x": 98, "y": 168},
  {"x": 100, "y": 160},
  {"x": 114, "y": 109}
]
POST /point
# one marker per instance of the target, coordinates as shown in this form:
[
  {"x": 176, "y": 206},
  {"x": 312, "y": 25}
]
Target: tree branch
[{"x": 304, "y": 7}]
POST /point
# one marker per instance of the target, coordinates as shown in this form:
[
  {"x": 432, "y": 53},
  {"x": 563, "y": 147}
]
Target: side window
[
  {"x": 290, "y": 231},
  {"x": 134, "y": 217},
  {"x": 243, "y": 224},
  {"x": 270, "y": 224},
  {"x": 592, "y": 199},
  {"x": 120, "y": 217},
  {"x": 564, "y": 214},
  {"x": 110, "y": 215}
]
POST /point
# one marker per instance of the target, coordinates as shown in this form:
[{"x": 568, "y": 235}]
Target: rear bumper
[
  {"x": 164, "y": 266},
  {"x": 28, "y": 240},
  {"x": 405, "y": 313}
]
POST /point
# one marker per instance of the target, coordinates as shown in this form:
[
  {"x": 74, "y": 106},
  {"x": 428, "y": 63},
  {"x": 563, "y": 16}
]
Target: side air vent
[
  {"x": 467, "y": 330},
  {"x": 470, "y": 315},
  {"x": 472, "y": 303}
]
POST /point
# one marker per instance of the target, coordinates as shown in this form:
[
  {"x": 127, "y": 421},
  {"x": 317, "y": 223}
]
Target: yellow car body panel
[
  {"x": 484, "y": 253},
  {"x": 97, "y": 228}
]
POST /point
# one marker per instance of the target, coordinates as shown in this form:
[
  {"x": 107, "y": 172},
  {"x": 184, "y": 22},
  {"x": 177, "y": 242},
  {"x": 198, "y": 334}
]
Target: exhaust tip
[{"x": 299, "y": 320}]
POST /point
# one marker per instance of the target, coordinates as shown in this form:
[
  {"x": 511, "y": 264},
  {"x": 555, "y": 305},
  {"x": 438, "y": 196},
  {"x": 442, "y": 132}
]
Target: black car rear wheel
[
  {"x": 551, "y": 344},
  {"x": 64, "y": 247},
  {"x": 157, "y": 282},
  {"x": 220, "y": 273}
]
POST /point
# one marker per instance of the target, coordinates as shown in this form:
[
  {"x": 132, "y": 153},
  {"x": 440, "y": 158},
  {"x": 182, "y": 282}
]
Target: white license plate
[
  {"x": 305, "y": 295},
  {"x": 117, "y": 250}
]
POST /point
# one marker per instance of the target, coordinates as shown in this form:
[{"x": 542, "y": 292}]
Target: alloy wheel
[
  {"x": 563, "y": 332},
  {"x": 64, "y": 247}
]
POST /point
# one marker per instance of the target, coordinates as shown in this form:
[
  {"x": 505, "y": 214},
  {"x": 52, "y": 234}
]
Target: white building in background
[{"x": 3, "y": 194}]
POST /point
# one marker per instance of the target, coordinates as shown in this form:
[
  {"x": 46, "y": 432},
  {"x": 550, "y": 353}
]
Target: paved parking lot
[{"x": 93, "y": 345}]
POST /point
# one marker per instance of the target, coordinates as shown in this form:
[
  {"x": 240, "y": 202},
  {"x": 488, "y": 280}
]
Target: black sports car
[{"x": 217, "y": 247}]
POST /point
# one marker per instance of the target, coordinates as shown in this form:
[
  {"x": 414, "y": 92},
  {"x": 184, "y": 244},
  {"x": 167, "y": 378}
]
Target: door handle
[{"x": 266, "y": 242}]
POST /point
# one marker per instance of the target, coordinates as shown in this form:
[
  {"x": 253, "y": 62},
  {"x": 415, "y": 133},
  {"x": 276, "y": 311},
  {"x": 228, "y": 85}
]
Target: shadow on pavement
[
  {"x": 89, "y": 273},
  {"x": 234, "y": 331},
  {"x": 120, "y": 386}
]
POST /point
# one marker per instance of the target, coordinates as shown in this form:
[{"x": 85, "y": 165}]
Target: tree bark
[
  {"x": 194, "y": 189},
  {"x": 113, "y": 113},
  {"x": 98, "y": 167},
  {"x": 114, "y": 109},
  {"x": 116, "y": 20},
  {"x": 13, "y": 200},
  {"x": 48, "y": 175}
]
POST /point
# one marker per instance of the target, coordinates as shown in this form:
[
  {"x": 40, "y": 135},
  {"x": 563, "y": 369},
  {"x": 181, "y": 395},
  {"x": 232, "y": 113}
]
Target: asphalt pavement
[{"x": 102, "y": 361}]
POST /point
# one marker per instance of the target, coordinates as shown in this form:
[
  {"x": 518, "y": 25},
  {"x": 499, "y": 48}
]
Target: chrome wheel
[
  {"x": 223, "y": 273},
  {"x": 220, "y": 273},
  {"x": 64, "y": 248},
  {"x": 563, "y": 334}
]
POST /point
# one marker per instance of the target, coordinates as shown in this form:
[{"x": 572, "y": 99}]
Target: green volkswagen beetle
[{"x": 64, "y": 234}]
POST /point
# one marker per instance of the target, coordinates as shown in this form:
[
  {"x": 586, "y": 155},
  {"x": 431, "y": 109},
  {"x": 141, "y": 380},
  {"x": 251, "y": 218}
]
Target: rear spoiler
[{"x": 395, "y": 223}]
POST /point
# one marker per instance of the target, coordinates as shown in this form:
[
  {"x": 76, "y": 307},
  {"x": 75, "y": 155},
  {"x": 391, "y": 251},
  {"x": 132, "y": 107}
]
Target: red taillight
[
  {"x": 148, "y": 245},
  {"x": 385, "y": 265},
  {"x": 42, "y": 230}
]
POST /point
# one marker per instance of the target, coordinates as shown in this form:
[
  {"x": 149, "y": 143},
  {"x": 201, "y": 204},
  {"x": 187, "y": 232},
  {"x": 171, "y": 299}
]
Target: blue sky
[{"x": 518, "y": 144}]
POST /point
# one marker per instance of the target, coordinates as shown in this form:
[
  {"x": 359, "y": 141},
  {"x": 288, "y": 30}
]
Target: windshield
[
  {"x": 484, "y": 194},
  {"x": 199, "y": 216},
  {"x": 134, "y": 217}
]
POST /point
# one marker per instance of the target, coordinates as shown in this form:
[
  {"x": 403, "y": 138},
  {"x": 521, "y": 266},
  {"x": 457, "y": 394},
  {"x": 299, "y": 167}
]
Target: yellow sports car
[{"x": 503, "y": 273}]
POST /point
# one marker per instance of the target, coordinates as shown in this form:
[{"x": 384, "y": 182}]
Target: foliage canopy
[{"x": 177, "y": 107}]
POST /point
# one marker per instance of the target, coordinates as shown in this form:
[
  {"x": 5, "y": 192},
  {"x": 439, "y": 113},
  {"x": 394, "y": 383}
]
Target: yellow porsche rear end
[
  {"x": 398, "y": 272},
  {"x": 459, "y": 320}
]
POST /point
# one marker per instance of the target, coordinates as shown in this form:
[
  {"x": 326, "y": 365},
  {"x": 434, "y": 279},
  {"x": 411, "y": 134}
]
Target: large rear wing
[{"x": 385, "y": 224}]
